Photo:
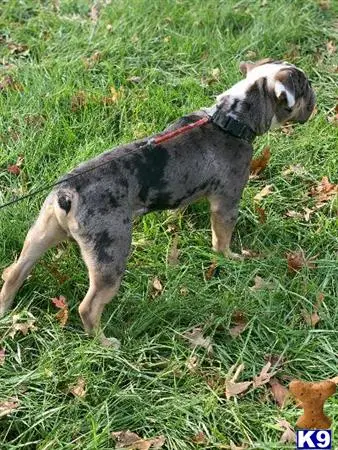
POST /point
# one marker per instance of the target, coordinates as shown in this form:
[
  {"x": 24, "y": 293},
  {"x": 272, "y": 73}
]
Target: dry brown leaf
[
  {"x": 324, "y": 191},
  {"x": 94, "y": 13},
  {"x": 211, "y": 271},
  {"x": 264, "y": 377},
  {"x": 212, "y": 78},
  {"x": 275, "y": 359},
  {"x": 199, "y": 438},
  {"x": 79, "y": 388},
  {"x": 92, "y": 60},
  {"x": 232, "y": 388},
  {"x": 15, "y": 169},
  {"x": 14, "y": 48},
  {"x": 35, "y": 120},
  {"x": 131, "y": 441},
  {"x": 78, "y": 101},
  {"x": 240, "y": 323},
  {"x": 259, "y": 164},
  {"x": 157, "y": 285},
  {"x": 294, "y": 214},
  {"x": 324, "y": 4},
  {"x": 23, "y": 327},
  {"x": 173, "y": 252},
  {"x": 134, "y": 79},
  {"x": 260, "y": 283},
  {"x": 196, "y": 339},
  {"x": 331, "y": 47},
  {"x": 235, "y": 447},
  {"x": 297, "y": 260},
  {"x": 63, "y": 315},
  {"x": 60, "y": 302},
  {"x": 2, "y": 356},
  {"x": 8, "y": 407},
  {"x": 288, "y": 129},
  {"x": 313, "y": 319},
  {"x": 184, "y": 291},
  {"x": 264, "y": 192},
  {"x": 192, "y": 363},
  {"x": 54, "y": 271},
  {"x": 8, "y": 83},
  {"x": 261, "y": 214},
  {"x": 296, "y": 169},
  {"x": 280, "y": 393},
  {"x": 288, "y": 436},
  {"x": 114, "y": 97}
]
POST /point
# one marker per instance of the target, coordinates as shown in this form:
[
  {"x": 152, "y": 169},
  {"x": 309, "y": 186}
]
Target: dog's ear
[
  {"x": 285, "y": 89},
  {"x": 245, "y": 67}
]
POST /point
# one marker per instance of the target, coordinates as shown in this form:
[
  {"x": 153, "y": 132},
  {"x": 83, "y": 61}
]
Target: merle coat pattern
[{"x": 96, "y": 207}]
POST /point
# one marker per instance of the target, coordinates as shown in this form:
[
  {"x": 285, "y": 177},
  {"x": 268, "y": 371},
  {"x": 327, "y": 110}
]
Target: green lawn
[{"x": 62, "y": 105}]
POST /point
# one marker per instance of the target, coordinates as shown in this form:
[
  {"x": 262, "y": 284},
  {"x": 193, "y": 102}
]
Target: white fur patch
[
  {"x": 280, "y": 89},
  {"x": 269, "y": 71}
]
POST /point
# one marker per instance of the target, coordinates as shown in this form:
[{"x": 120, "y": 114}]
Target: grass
[{"x": 146, "y": 387}]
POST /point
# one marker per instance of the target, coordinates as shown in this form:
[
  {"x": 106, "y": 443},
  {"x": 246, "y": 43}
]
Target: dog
[{"x": 96, "y": 202}]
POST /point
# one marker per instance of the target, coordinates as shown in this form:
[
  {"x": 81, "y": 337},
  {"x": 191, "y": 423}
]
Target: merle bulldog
[{"x": 204, "y": 154}]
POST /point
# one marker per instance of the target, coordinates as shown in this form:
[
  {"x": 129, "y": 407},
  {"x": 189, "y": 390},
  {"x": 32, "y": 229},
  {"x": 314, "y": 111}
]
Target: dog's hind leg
[
  {"x": 45, "y": 233},
  {"x": 105, "y": 254}
]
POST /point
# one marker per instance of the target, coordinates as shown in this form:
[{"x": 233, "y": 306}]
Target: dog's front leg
[{"x": 223, "y": 221}]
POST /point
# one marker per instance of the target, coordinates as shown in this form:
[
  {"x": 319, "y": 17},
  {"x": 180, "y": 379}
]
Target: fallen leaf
[
  {"x": 94, "y": 13},
  {"x": 297, "y": 260},
  {"x": 331, "y": 47},
  {"x": 235, "y": 447},
  {"x": 131, "y": 441},
  {"x": 213, "y": 77},
  {"x": 274, "y": 359},
  {"x": 240, "y": 323},
  {"x": 14, "y": 169},
  {"x": 296, "y": 169},
  {"x": 323, "y": 192},
  {"x": 23, "y": 327},
  {"x": 79, "y": 388},
  {"x": 60, "y": 277},
  {"x": 260, "y": 283},
  {"x": 173, "y": 252},
  {"x": 114, "y": 97},
  {"x": 78, "y": 101},
  {"x": 8, "y": 83},
  {"x": 324, "y": 4},
  {"x": 192, "y": 363},
  {"x": 288, "y": 130},
  {"x": 35, "y": 120},
  {"x": 251, "y": 54},
  {"x": 259, "y": 164},
  {"x": 134, "y": 79},
  {"x": 63, "y": 315},
  {"x": 92, "y": 60},
  {"x": 8, "y": 407},
  {"x": 60, "y": 302},
  {"x": 288, "y": 436},
  {"x": 199, "y": 438},
  {"x": 157, "y": 285},
  {"x": 2, "y": 356},
  {"x": 261, "y": 214},
  {"x": 211, "y": 271},
  {"x": 280, "y": 393},
  {"x": 232, "y": 388},
  {"x": 184, "y": 291},
  {"x": 294, "y": 214},
  {"x": 313, "y": 319},
  {"x": 264, "y": 192},
  {"x": 196, "y": 339},
  {"x": 264, "y": 376},
  {"x": 14, "y": 48}
]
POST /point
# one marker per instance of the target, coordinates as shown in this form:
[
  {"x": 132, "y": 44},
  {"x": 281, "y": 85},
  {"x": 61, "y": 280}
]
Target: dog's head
[
  {"x": 271, "y": 94},
  {"x": 291, "y": 89}
]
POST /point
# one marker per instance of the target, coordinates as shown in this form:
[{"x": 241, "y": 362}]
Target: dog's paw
[
  {"x": 231, "y": 255},
  {"x": 110, "y": 342}
]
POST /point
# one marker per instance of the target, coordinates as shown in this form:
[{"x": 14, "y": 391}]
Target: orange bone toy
[{"x": 313, "y": 396}]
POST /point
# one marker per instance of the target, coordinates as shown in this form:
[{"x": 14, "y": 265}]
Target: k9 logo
[{"x": 314, "y": 439}]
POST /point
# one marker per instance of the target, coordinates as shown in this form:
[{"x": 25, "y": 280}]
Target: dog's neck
[{"x": 251, "y": 105}]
